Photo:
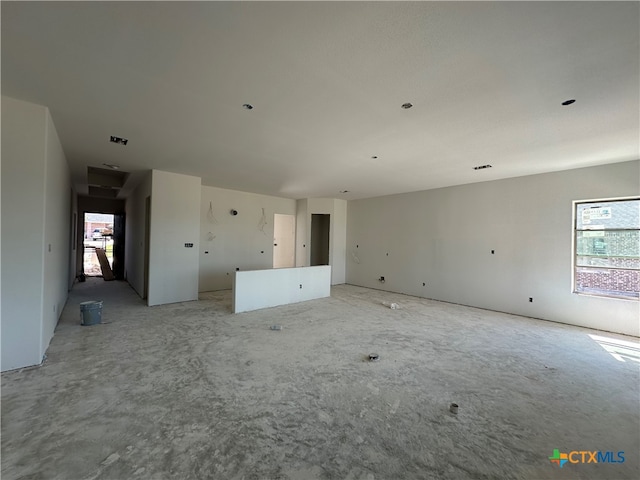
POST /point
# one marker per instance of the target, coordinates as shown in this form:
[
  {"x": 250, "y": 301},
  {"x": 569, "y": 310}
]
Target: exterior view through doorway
[{"x": 98, "y": 233}]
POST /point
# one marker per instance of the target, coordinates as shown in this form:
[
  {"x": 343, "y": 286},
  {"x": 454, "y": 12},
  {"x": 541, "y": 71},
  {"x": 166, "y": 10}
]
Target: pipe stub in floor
[
  {"x": 453, "y": 408},
  {"x": 374, "y": 357}
]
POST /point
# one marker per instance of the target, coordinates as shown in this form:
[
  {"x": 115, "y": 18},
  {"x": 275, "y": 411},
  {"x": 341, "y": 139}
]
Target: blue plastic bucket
[{"x": 91, "y": 312}]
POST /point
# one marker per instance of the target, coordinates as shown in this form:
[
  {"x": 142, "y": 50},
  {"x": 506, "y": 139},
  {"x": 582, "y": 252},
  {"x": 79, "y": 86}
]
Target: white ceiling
[{"x": 327, "y": 81}]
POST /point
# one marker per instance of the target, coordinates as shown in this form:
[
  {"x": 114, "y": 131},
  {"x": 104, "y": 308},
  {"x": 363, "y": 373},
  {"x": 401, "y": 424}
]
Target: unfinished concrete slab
[{"x": 190, "y": 390}]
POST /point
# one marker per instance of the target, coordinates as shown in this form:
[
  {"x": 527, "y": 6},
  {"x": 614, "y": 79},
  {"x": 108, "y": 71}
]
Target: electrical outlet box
[{"x": 188, "y": 245}]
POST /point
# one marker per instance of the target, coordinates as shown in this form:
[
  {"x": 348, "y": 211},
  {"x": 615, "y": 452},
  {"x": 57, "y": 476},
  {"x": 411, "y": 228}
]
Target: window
[{"x": 607, "y": 248}]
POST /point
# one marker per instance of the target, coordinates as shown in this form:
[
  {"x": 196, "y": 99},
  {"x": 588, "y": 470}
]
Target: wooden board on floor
[{"x": 107, "y": 274}]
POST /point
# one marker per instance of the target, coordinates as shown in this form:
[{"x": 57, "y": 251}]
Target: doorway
[
  {"x": 284, "y": 241},
  {"x": 147, "y": 242},
  {"x": 320, "y": 225},
  {"x": 98, "y": 234},
  {"x": 118, "y": 245}
]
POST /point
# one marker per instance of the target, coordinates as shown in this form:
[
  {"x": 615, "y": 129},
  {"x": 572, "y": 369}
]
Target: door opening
[
  {"x": 320, "y": 225},
  {"x": 147, "y": 234},
  {"x": 118, "y": 245},
  {"x": 284, "y": 241},
  {"x": 98, "y": 234}
]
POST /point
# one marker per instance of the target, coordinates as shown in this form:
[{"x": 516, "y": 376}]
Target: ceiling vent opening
[
  {"x": 482, "y": 167},
  {"x": 118, "y": 140}
]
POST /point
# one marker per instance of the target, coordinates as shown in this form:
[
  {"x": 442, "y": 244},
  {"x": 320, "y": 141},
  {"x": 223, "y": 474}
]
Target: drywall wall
[
  {"x": 175, "y": 222},
  {"x": 337, "y": 234},
  {"x": 257, "y": 289},
  {"x": 444, "y": 238},
  {"x": 23, "y": 187},
  {"x": 101, "y": 205},
  {"x": 134, "y": 254},
  {"x": 338, "y": 270},
  {"x": 239, "y": 241},
  {"x": 302, "y": 253},
  {"x": 36, "y": 245},
  {"x": 57, "y": 228}
]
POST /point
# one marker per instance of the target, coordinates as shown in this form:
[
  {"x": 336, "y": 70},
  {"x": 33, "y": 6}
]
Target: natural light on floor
[{"x": 621, "y": 350}]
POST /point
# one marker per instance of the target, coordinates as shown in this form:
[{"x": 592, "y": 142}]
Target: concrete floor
[{"x": 190, "y": 390}]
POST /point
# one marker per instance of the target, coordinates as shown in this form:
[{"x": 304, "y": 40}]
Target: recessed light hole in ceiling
[
  {"x": 482, "y": 167},
  {"x": 407, "y": 105},
  {"x": 569, "y": 102},
  {"x": 247, "y": 106},
  {"x": 118, "y": 140}
]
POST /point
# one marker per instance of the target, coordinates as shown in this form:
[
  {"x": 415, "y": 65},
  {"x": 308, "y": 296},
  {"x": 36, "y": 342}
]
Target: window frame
[{"x": 574, "y": 247}]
